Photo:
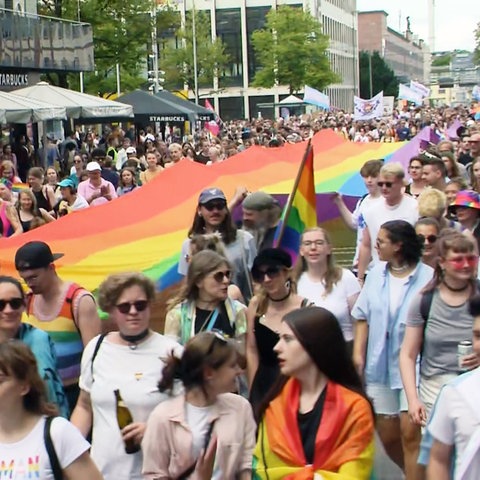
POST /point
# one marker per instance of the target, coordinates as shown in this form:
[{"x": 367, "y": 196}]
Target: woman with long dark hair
[
  {"x": 317, "y": 422},
  {"x": 220, "y": 425},
  {"x": 24, "y": 430},
  {"x": 381, "y": 315}
]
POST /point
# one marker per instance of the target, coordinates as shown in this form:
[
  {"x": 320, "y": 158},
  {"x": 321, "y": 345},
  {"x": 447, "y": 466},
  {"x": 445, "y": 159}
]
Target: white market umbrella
[
  {"x": 77, "y": 104},
  {"x": 17, "y": 109}
]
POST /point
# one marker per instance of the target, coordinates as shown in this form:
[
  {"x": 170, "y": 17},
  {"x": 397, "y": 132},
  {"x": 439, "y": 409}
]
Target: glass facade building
[{"x": 234, "y": 21}]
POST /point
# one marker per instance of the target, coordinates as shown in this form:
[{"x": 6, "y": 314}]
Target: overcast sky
[{"x": 455, "y": 20}]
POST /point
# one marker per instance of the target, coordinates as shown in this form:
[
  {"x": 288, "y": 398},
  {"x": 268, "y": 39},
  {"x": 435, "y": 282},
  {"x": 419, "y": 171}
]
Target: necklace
[
  {"x": 133, "y": 340},
  {"x": 401, "y": 269},
  {"x": 279, "y": 299},
  {"x": 453, "y": 289}
]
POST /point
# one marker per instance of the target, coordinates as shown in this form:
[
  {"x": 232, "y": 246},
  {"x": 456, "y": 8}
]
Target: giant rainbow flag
[{"x": 144, "y": 230}]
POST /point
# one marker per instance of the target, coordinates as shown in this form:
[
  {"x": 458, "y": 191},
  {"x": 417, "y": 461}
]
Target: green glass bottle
[{"x": 124, "y": 418}]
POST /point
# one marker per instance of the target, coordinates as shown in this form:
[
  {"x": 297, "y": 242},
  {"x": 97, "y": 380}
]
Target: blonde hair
[
  {"x": 333, "y": 273},
  {"x": 432, "y": 203},
  {"x": 393, "y": 168}
]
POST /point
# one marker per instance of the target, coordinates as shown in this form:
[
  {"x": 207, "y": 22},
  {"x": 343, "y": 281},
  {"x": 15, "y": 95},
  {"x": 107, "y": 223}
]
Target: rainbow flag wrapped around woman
[{"x": 344, "y": 445}]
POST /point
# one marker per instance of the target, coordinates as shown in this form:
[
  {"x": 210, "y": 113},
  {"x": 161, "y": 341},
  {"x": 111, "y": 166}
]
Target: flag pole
[{"x": 288, "y": 207}]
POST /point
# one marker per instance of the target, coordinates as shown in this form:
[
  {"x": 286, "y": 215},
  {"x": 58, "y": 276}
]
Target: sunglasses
[
  {"x": 15, "y": 303},
  {"x": 272, "y": 272},
  {"x": 219, "y": 276},
  {"x": 217, "y": 336},
  {"x": 459, "y": 262},
  {"x": 385, "y": 184},
  {"x": 140, "y": 306},
  {"x": 210, "y": 206},
  {"x": 429, "y": 238}
]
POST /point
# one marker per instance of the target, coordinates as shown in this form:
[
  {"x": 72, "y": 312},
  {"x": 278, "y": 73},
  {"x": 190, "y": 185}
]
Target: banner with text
[{"x": 368, "y": 109}]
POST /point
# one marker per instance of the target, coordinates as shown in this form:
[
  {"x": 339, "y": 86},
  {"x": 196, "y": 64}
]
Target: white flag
[
  {"x": 406, "y": 93},
  {"x": 419, "y": 88},
  {"x": 368, "y": 109},
  {"x": 314, "y": 97}
]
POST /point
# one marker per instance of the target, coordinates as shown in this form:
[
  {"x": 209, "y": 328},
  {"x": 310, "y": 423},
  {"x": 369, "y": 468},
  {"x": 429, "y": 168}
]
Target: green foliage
[
  {"x": 121, "y": 34},
  {"x": 442, "y": 61},
  {"x": 476, "y": 52},
  {"x": 291, "y": 49},
  {"x": 176, "y": 56},
  {"x": 383, "y": 77}
]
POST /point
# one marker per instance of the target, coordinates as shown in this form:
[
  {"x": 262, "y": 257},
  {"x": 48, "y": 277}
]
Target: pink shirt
[
  {"x": 86, "y": 190},
  {"x": 167, "y": 443}
]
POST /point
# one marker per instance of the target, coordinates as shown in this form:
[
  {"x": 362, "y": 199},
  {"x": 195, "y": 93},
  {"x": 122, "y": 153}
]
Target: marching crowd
[{"x": 266, "y": 368}]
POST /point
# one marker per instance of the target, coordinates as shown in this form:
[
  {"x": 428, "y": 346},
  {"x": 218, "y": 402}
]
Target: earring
[
  {"x": 288, "y": 284},
  {"x": 199, "y": 214}
]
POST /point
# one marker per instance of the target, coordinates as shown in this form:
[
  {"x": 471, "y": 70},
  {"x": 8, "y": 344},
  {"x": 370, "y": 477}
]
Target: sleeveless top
[
  {"x": 65, "y": 334},
  {"x": 42, "y": 202}
]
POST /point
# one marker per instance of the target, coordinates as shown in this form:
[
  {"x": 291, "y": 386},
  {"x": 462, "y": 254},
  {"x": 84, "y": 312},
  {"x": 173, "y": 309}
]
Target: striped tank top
[{"x": 64, "y": 333}]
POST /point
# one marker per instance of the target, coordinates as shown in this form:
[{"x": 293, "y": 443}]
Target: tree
[
  {"x": 291, "y": 50},
  {"x": 121, "y": 35},
  {"x": 476, "y": 52},
  {"x": 177, "y": 54},
  {"x": 383, "y": 77}
]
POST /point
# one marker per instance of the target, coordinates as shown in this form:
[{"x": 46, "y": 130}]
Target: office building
[{"x": 234, "y": 21}]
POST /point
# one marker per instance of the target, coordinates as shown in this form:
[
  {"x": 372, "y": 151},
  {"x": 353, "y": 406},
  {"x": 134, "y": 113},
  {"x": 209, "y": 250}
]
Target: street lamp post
[
  {"x": 370, "y": 79},
  {"x": 194, "y": 48}
]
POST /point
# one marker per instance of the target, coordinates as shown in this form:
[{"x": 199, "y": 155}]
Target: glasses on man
[
  {"x": 211, "y": 206},
  {"x": 15, "y": 303},
  {"x": 385, "y": 184},
  {"x": 219, "y": 276},
  {"x": 272, "y": 272},
  {"x": 126, "y": 307}
]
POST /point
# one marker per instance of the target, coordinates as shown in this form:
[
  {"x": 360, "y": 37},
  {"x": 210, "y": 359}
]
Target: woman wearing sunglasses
[
  {"x": 206, "y": 432},
  {"x": 203, "y": 303},
  {"x": 213, "y": 216},
  {"x": 381, "y": 313},
  {"x": 276, "y": 297},
  {"x": 127, "y": 360},
  {"x": 324, "y": 283},
  {"x": 24, "y": 431},
  {"x": 428, "y": 229},
  {"x": 438, "y": 321},
  {"x": 12, "y": 307},
  {"x": 317, "y": 421}
]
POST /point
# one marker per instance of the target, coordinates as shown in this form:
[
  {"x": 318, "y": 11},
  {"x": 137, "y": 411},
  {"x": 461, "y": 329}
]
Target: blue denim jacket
[{"x": 385, "y": 333}]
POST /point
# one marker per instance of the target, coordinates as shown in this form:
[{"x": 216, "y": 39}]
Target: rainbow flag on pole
[{"x": 300, "y": 211}]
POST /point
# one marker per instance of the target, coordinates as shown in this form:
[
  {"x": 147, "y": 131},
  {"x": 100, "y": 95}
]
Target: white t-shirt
[
  {"x": 28, "y": 458},
  {"x": 396, "y": 285},
  {"x": 454, "y": 421},
  {"x": 198, "y": 419},
  {"x": 135, "y": 372},
  {"x": 336, "y": 301},
  {"x": 381, "y": 212},
  {"x": 358, "y": 219}
]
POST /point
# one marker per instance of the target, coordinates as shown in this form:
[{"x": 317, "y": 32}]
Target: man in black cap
[
  {"x": 261, "y": 215},
  {"x": 65, "y": 310}
]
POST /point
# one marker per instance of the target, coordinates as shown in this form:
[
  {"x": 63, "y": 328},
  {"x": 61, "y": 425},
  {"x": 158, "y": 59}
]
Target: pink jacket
[{"x": 167, "y": 444}]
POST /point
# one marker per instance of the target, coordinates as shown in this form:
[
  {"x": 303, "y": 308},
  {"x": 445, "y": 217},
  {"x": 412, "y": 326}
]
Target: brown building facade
[{"x": 406, "y": 54}]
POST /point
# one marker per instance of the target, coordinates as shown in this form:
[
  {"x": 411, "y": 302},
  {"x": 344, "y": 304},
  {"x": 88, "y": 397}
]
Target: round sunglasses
[
  {"x": 259, "y": 274},
  {"x": 427, "y": 239},
  {"x": 125, "y": 307},
  {"x": 219, "y": 276}
]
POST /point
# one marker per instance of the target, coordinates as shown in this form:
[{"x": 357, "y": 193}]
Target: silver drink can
[{"x": 464, "y": 348}]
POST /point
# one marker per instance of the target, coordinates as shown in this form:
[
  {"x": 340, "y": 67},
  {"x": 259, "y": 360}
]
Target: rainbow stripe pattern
[
  {"x": 144, "y": 230},
  {"x": 303, "y": 211},
  {"x": 344, "y": 443}
]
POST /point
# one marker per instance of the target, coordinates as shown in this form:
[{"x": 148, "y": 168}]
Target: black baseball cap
[{"x": 34, "y": 255}]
